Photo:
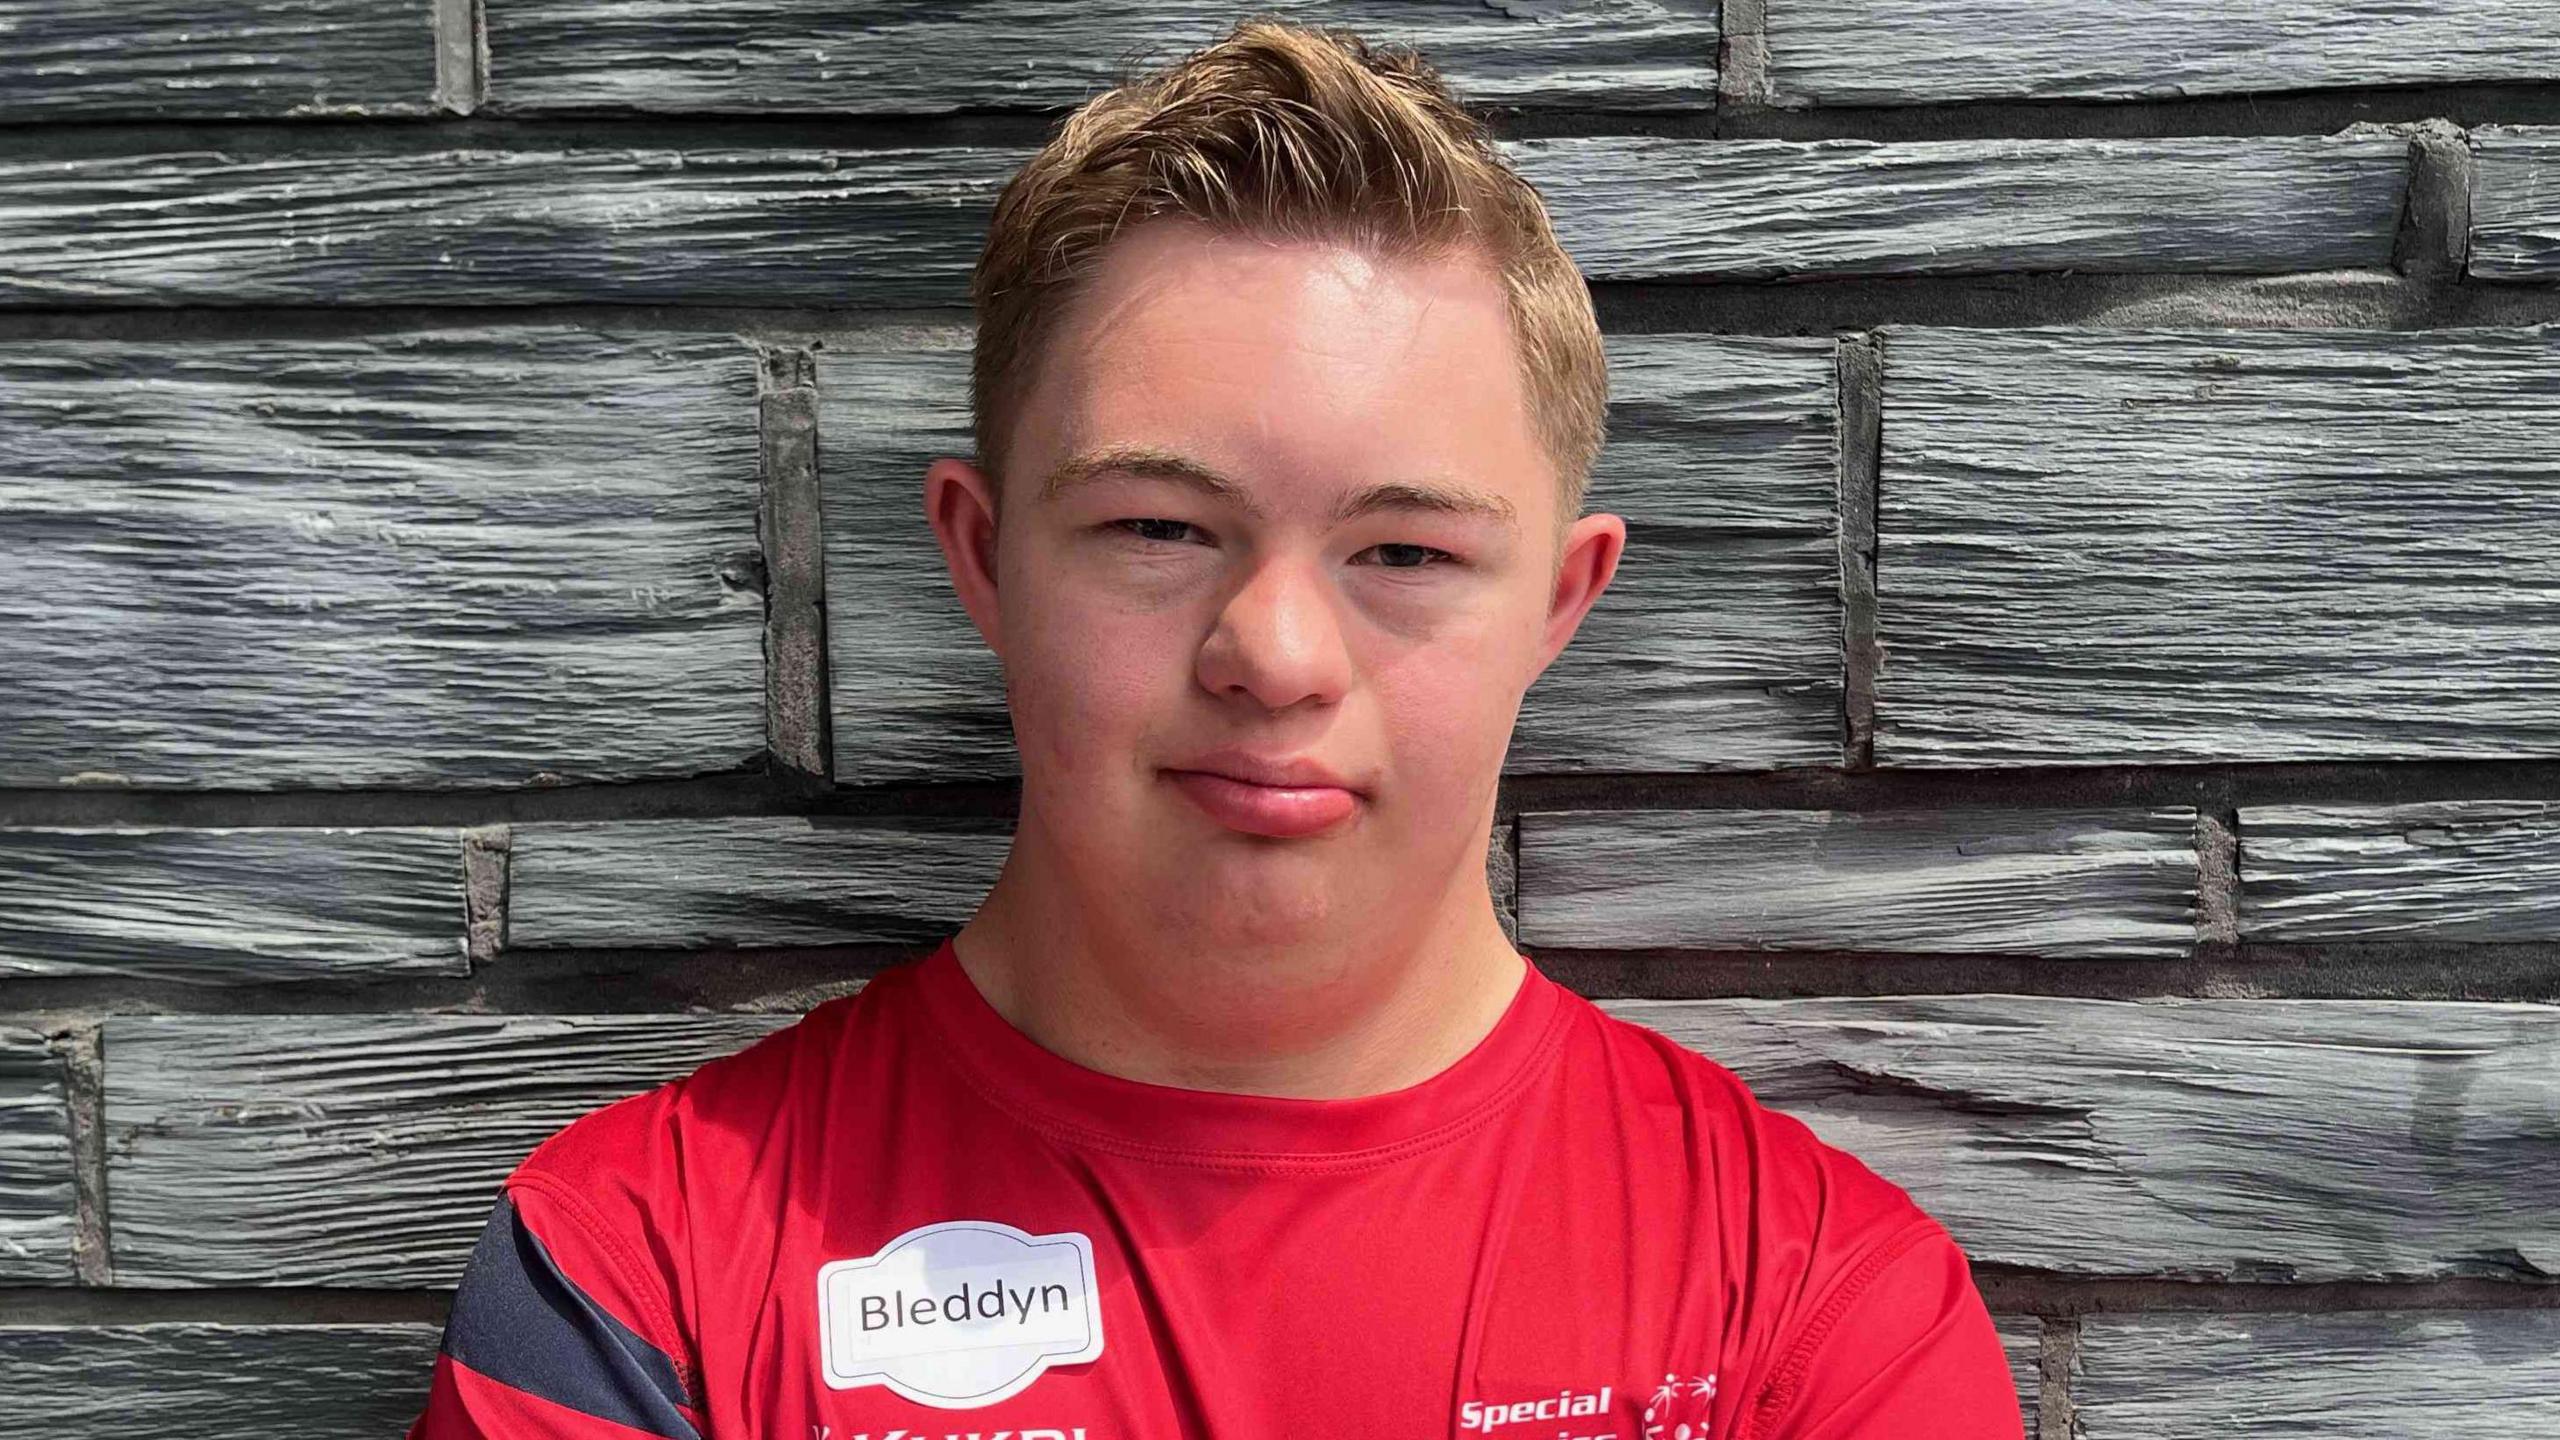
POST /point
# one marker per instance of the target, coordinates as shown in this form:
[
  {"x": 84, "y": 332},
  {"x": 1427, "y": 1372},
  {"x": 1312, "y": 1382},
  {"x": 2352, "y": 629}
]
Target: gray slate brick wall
[{"x": 2078, "y": 723}]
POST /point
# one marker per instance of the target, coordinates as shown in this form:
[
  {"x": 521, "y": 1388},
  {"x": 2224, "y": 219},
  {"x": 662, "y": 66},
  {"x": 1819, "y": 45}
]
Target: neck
[{"x": 1324, "y": 1012}]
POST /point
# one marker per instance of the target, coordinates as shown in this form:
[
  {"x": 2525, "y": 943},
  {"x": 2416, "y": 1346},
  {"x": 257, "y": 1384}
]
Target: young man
[{"x": 1233, "y": 1112}]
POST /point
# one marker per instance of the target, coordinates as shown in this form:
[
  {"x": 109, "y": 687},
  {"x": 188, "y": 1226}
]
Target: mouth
[{"x": 1285, "y": 812}]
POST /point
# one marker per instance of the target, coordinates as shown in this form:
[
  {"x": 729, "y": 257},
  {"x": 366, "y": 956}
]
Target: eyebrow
[{"x": 1149, "y": 462}]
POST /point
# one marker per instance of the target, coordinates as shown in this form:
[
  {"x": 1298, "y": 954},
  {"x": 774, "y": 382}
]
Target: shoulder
[
  {"x": 629, "y": 1171},
  {"x": 1855, "y": 1297},
  {"x": 1900, "y": 1344},
  {"x": 575, "y": 1297},
  {"x": 1773, "y": 1170},
  {"x": 637, "y": 1146}
]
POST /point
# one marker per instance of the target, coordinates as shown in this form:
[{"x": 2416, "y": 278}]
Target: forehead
[{"x": 1307, "y": 363}]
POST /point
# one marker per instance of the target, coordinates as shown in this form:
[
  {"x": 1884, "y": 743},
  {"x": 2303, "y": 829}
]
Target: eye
[
  {"x": 1392, "y": 555},
  {"x": 1147, "y": 528},
  {"x": 1395, "y": 556}
]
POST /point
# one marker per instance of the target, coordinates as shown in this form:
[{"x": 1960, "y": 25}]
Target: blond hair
[{"x": 1287, "y": 132}]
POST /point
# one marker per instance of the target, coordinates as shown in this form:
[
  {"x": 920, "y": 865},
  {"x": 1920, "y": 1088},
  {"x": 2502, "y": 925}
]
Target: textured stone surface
[
  {"x": 224, "y": 905},
  {"x": 752, "y": 227},
  {"x": 768, "y": 880},
  {"x": 749, "y": 880},
  {"x": 439, "y": 558},
  {"x": 501, "y": 558},
  {"x": 215, "y": 1381},
  {"x": 35, "y": 1163},
  {"x": 2068, "y": 882},
  {"x": 742, "y": 55},
  {"x": 353, "y": 1149},
  {"x": 2161, "y": 547},
  {"x": 1717, "y": 646},
  {"x": 915, "y": 694},
  {"x": 2463, "y": 870},
  {"x": 2515, "y": 202},
  {"x": 1875, "y": 52},
  {"x": 2264, "y": 1140},
  {"x": 902, "y": 226},
  {"x": 150, "y": 59},
  {"x": 2022, "y": 1340},
  {"x": 2460, "y": 1375},
  {"x": 1642, "y": 207}
]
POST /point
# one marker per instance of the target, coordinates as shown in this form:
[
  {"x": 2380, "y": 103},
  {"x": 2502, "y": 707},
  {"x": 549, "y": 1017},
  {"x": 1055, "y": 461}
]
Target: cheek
[
  {"x": 1084, "y": 680},
  {"x": 1448, "y": 720}
]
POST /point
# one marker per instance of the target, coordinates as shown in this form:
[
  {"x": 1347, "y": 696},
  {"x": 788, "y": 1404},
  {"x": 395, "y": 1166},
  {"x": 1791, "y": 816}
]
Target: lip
[
  {"x": 1252, "y": 769},
  {"x": 1284, "y": 799}
]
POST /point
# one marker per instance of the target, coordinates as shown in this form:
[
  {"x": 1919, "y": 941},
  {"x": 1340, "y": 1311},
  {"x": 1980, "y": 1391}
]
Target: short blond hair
[{"x": 1287, "y": 132}]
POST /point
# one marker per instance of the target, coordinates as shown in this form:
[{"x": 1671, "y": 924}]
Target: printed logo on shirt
[
  {"x": 959, "y": 1314},
  {"x": 1484, "y": 1418},
  {"x": 1676, "y": 1410}
]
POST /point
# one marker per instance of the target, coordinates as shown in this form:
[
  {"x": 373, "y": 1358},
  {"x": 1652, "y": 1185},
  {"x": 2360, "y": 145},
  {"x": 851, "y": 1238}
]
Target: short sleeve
[
  {"x": 549, "y": 1336},
  {"x": 1902, "y": 1346},
  {"x": 566, "y": 1322}
]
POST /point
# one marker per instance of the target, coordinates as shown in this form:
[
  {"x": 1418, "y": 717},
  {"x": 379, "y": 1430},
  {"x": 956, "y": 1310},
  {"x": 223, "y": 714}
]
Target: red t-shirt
[{"x": 901, "y": 1217}]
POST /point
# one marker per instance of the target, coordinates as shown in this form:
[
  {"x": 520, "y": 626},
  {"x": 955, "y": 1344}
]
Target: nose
[{"x": 1278, "y": 639}]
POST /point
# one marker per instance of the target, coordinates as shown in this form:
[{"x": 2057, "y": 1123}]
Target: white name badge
[{"x": 959, "y": 1314}]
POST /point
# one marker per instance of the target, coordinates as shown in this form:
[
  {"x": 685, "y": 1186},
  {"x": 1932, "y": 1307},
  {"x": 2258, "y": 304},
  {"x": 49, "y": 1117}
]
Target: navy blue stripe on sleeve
[{"x": 522, "y": 1323}]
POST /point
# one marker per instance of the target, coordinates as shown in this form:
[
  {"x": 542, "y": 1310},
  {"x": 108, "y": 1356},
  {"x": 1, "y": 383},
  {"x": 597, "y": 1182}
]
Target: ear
[
  {"x": 1585, "y": 566},
  {"x": 960, "y": 501}
]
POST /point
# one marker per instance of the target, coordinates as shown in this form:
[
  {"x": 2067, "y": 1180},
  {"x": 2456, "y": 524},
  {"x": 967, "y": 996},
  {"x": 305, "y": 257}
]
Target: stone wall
[{"x": 2078, "y": 721}]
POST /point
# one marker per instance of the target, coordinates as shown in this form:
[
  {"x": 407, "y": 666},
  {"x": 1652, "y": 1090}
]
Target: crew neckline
[{"x": 1224, "y": 1130}]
